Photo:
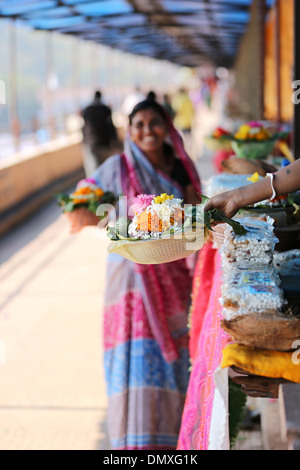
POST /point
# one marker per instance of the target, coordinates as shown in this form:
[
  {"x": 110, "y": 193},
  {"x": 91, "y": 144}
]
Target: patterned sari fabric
[
  {"x": 145, "y": 325},
  {"x": 207, "y": 350}
]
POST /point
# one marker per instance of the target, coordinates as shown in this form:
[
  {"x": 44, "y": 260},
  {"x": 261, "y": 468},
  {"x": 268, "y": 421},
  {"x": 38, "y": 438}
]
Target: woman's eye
[
  {"x": 156, "y": 122},
  {"x": 139, "y": 125}
]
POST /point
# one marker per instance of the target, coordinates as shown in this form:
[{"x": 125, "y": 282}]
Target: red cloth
[{"x": 219, "y": 157}]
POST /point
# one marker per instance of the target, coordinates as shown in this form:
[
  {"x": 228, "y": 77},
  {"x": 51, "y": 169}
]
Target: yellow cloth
[{"x": 274, "y": 364}]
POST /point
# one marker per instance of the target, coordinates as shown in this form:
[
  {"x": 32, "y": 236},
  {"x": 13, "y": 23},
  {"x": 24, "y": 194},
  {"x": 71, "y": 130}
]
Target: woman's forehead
[{"x": 148, "y": 113}]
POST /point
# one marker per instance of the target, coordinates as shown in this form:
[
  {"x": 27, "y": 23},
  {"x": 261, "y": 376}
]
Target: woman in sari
[{"x": 146, "y": 306}]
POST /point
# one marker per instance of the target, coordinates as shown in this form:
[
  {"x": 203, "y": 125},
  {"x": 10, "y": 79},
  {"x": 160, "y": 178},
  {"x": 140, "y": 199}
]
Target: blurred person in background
[
  {"x": 99, "y": 134},
  {"x": 167, "y": 105},
  {"x": 184, "y": 111},
  {"x": 184, "y": 118}
]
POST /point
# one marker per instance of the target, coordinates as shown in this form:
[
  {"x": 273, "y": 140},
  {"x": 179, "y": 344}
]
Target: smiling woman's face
[{"x": 148, "y": 130}]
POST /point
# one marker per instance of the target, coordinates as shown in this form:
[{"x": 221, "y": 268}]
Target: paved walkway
[{"x": 52, "y": 393}]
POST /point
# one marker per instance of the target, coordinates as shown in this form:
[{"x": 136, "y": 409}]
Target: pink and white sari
[{"x": 145, "y": 320}]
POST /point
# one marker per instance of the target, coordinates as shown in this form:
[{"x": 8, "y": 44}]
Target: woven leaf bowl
[
  {"x": 160, "y": 250},
  {"x": 253, "y": 150}
]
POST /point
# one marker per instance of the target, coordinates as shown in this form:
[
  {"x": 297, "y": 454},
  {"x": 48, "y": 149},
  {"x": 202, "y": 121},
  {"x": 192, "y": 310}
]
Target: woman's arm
[{"x": 285, "y": 180}]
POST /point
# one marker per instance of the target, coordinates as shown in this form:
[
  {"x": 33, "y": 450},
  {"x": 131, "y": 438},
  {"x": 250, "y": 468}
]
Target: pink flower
[
  {"x": 254, "y": 124},
  {"x": 87, "y": 182},
  {"x": 141, "y": 202}
]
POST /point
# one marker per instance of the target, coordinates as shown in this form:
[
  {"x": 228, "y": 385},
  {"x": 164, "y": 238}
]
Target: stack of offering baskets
[
  {"x": 162, "y": 229},
  {"x": 220, "y": 139},
  {"x": 254, "y": 141}
]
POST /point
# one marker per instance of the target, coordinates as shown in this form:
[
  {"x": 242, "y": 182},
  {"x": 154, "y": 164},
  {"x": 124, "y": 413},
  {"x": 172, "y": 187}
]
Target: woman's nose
[{"x": 148, "y": 128}]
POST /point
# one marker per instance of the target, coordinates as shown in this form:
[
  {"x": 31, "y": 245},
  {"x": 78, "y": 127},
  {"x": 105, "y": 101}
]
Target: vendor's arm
[{"x": 285, "y": 180}]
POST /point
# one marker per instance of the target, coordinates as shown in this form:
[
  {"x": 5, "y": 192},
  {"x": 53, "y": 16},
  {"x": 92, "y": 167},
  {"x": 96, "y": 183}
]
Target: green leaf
[
  {"x": 62, "y": 198},
  {"x": 112, "y": 233},
  {"x": 69, "y": 206},
  {"x": 238, "y": 228},
  {"x": 207, "y": 220},
  {"x": 204, "y": 199},
  {"x": 108, "y": 198}
]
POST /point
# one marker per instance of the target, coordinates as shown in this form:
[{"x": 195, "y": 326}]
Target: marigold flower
[
  {"x": 79, "y": 201},
  {"x": 99, "y": 192},
  {"x": 82, "y": 191},
  {"x": 243, "y": 132},
  {"x": 253, "y": 130}
]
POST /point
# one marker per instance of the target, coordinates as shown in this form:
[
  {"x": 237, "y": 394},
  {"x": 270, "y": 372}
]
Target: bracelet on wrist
[{"x": 271, "y": 176}]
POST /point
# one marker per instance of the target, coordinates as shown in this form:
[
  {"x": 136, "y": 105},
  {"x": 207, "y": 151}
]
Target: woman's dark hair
[{"x": 148, "y": 104}]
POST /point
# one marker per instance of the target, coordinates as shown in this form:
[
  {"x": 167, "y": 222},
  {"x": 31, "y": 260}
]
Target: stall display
[
  {"x": 222, "y": 182},
  {"x": 256, "y": 246},
  {"x": 287, "y": 263},
  {"x": 250, "y": 292},
  {"x": 220, "y": 139},
  {"x": 254, "y": 141},
  {"x": 251, "y": 295},
  {"x": 244, "y": 166},
  {"x": 246, "y": 309}
]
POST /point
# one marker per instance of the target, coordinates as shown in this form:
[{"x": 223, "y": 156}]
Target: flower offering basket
[
  {"x": 254, "y": 149},
  {"x": 160, "y": 250},
  {"x": 215, "y": 144}
]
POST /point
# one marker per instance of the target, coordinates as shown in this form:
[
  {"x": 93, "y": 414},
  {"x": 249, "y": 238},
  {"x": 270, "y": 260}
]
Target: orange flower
[
  {"x": 99, "y": 192},
  {"x": 152, "y": 223},
  {"x": 84, "y": 190},
  {"x": 79, "y": 201}
]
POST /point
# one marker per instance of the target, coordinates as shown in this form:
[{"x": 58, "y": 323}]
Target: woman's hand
[{"x": 81, "y": 218}]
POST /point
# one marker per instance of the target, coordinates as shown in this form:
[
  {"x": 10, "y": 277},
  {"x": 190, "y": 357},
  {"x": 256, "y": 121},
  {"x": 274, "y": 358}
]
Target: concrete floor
[{"x": 52, "y": 393}]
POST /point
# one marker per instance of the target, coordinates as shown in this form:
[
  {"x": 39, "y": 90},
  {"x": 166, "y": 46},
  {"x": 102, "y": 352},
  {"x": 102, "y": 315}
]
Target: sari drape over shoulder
[{"x": 145, "y": 322}]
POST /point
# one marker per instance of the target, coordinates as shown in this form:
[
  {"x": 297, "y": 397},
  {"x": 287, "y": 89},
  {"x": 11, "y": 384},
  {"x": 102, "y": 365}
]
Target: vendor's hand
[
  {"x": 226, "y": 202},
  {"x": 255, "y": 385}
]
